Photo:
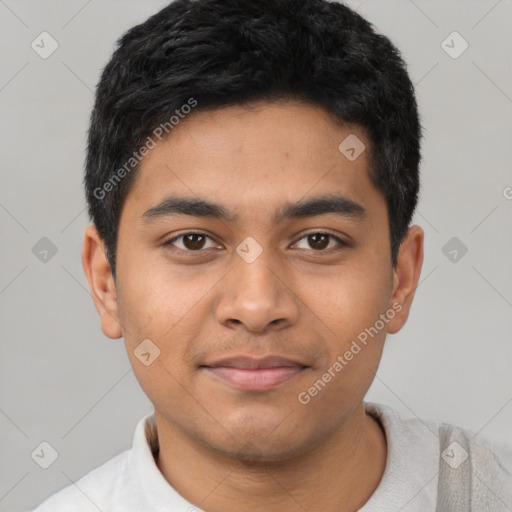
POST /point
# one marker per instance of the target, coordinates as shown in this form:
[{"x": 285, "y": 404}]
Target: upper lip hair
[{"x": 252, "y": 363}]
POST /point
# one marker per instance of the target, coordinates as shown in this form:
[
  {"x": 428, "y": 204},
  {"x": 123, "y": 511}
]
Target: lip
[{"x": 255, "y": 374}]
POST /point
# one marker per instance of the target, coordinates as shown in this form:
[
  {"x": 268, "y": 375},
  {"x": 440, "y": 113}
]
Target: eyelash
[{"x": 192, "y": 253}]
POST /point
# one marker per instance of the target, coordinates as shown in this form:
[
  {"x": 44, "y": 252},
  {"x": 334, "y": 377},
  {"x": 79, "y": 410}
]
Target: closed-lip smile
[{"x": 254, "y": 374}]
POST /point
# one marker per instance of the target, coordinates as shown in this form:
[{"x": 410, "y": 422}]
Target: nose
[{"x": 257, "y": 296}]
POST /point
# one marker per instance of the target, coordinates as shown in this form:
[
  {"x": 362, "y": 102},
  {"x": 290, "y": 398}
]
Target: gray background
[{"x": 63, "y": 382}]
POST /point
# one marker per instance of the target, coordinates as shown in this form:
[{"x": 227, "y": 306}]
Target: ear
[
  {"x": 101, "y": 282},
  {"x": 405, "y": 276}
]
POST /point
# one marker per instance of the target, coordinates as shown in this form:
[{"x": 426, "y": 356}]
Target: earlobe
[
  {"x": 101, "y": 282},
  {"x": 406, "y": 276}
]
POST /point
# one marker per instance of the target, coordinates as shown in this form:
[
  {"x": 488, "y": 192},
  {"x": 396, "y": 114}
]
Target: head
[{"x": 285, "y": 135}]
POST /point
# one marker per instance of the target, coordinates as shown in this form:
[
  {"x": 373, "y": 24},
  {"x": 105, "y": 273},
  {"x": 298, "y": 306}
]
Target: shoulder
[
  {"x": 473, "y": 471},
  {"x": 117, "y": 484},
  {"x": 98, "y": 489}
]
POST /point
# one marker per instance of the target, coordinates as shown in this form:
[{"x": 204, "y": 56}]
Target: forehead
[{"x": 253, "y": 160}]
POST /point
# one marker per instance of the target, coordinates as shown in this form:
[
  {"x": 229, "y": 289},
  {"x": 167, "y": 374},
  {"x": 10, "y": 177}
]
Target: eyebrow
[{"x": 336, "y": 204}]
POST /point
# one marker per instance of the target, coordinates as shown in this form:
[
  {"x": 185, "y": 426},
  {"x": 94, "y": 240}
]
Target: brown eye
[
  {"x": 320, "y": 241},
  {"x": 191, "y": 242}
]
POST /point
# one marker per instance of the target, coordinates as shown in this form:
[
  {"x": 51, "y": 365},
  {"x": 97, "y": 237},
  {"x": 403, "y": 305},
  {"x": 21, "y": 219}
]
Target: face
[{"x": 267, "y": 308}]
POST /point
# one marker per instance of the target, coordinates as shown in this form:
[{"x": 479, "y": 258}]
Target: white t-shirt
[{"x": 132, "y": 482}]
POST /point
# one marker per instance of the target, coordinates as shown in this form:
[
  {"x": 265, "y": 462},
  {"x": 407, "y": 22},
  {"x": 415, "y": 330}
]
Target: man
[{"x": 252, "y": 172}]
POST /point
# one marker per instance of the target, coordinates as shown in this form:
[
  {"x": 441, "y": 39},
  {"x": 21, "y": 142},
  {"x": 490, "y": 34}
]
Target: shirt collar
[{"x": 160, "y": 494}]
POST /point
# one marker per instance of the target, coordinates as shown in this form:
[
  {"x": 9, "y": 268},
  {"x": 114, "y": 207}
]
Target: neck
[{"x": 339, "y": 474}]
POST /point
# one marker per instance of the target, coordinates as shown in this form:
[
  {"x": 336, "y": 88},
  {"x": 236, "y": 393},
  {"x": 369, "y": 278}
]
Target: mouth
[{"x": 251, "y": 374}]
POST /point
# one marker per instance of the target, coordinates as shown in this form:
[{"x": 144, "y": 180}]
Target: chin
[{"x": 263, "y": 446}]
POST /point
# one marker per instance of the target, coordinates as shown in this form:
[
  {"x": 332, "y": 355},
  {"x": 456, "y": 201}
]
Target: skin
[{"x": 222, "y": 448}]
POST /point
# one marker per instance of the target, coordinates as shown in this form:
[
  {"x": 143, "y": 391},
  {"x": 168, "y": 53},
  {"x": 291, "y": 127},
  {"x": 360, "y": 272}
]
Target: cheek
[
  {"x": 170, "y": 309},
  {"x": 156, "y": 300},
  {"x": 349, "y": 313},
  {"x": 348, "y": 309},
  {"x": 348, "y": 301}
]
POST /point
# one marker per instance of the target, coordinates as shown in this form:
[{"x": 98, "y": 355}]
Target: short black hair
[{"x": 210, "y": 54}]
